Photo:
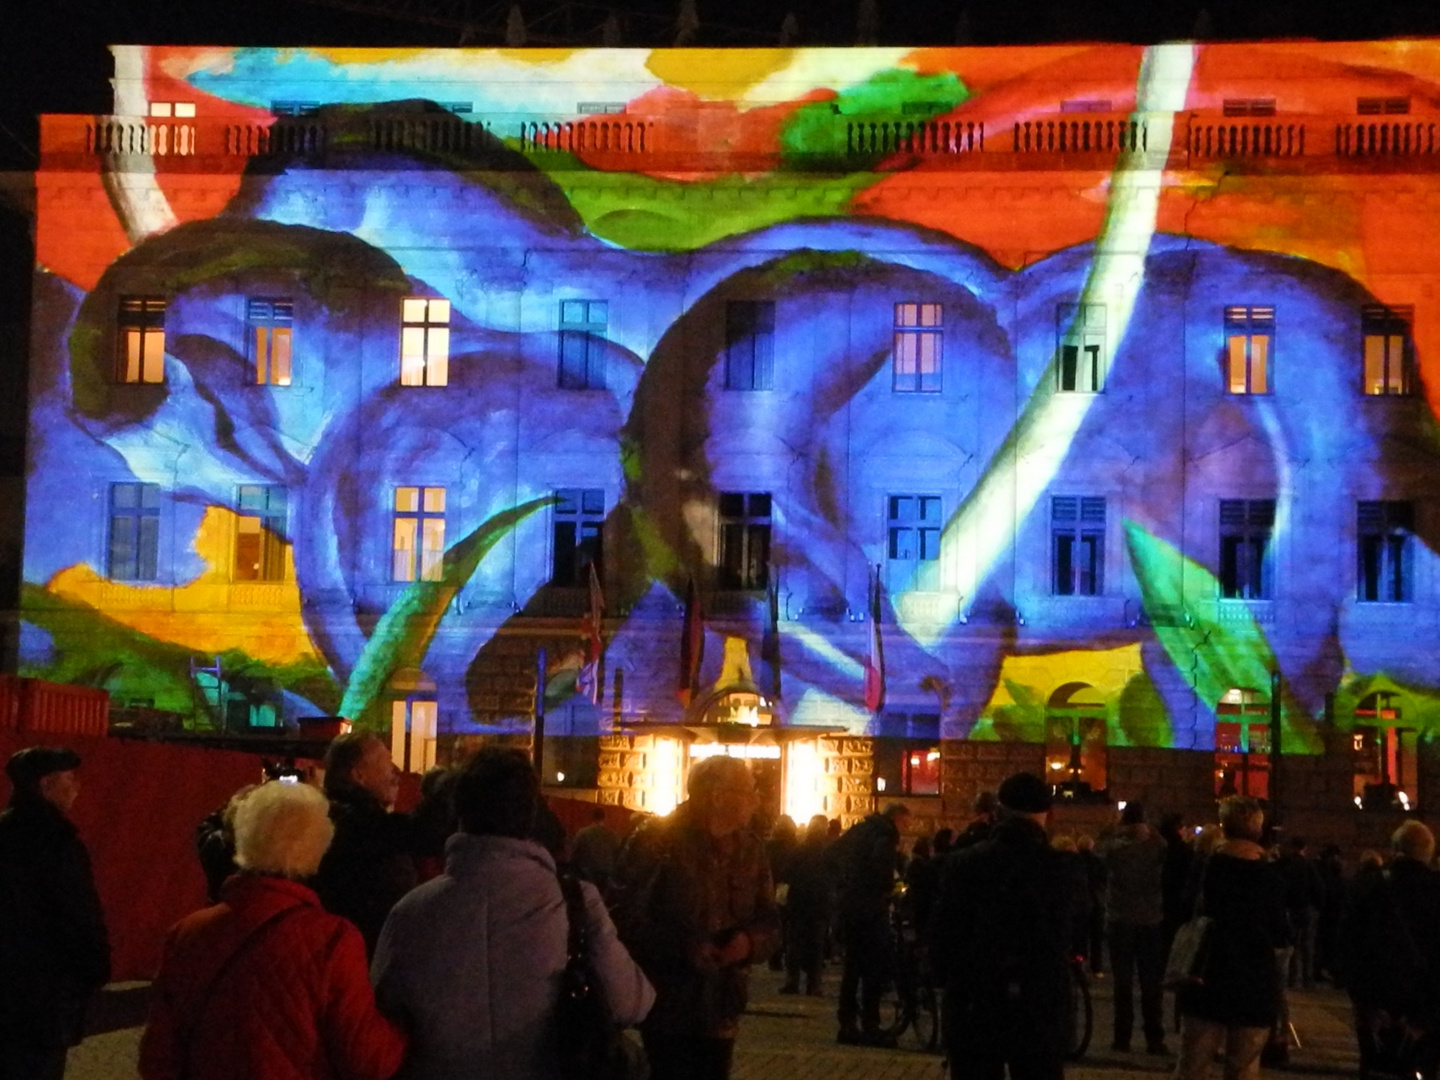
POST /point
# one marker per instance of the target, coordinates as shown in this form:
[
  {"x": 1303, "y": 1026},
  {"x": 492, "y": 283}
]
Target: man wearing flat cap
[
  {"x": 54, "y": 951},
  {"x": 1002, "y": 931}
]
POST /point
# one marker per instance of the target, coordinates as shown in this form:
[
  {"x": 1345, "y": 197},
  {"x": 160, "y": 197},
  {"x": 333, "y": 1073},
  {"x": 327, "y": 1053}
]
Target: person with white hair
[
  {"x": 267, "y": 984},
  {"x": 1390, "y": 958}
]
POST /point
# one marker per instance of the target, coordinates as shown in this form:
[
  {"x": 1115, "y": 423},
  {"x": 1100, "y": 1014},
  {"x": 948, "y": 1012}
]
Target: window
[
  {"x": 914, "y": 542},
  {"x": 749, "y": 345},
  {"x": 267, "y": 328},
  {"x": 1081, "y": 331},
  {"x": 260, "y": 531},
  {"x": 1249, "y": 106},
  {"x": 582, "y": 344},
  {"x": 424, "y": 342},
  {"x": 1385, "y": 755},
  {"x": 294, "y": 108},
  {"x": 1245, "y": 564},
  {"x": 907, "y": 754},
  {"x": 418, "y": 545},
  {"x": 744, "y": 541},
  {"x": 172, "y": 108},
  {"x": 1389, "y": 364},
  {"x": 141, "y": 337},
  {"x": 1383, "y": 545},
  {"x": 919, "y": 342},
  {"x": 1077, "y": 530},
  {"x": 1086, "y": 105},
  {"x": 134, "y": 532},
  {"x": 1242, "y": 744},
  {"x": 579, "y": 518},
  {"x": 1382, "y": 106},
  {"x": 1249, "y": 343}
]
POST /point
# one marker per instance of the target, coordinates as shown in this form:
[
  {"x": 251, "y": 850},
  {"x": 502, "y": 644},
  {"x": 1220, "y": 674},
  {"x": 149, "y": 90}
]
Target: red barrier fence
[
  {"x": 138, "y": 808},
  {"x": 36, "y": 705}
]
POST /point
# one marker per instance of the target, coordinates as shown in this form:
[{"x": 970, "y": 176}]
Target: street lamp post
[{"x": 1275, "y": 749}]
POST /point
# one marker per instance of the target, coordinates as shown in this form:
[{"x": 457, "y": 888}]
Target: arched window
[
  {"x": 1242, "y": 744},
  {"x": 1075, "y": 742}
]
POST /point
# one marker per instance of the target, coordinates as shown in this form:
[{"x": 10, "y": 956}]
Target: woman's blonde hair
[
  {"x": 1242, "y": 818},
  {"x": 282, "y": 830}
]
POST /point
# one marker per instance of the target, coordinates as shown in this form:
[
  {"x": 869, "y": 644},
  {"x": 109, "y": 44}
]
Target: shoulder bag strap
[
  {"x": 577, "y": 943},
  {"x": 246, "y": 944}
]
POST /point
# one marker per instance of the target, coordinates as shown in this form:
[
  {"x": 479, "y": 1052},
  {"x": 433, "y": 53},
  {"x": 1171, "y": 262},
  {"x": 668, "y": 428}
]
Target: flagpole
[{"x": 537, "y": 752}]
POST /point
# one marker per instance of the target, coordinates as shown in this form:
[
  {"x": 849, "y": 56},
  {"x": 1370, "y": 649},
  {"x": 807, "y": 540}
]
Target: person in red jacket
[{"x": 267, "y": 985}]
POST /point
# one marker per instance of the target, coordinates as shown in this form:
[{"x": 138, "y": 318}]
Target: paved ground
[{"x": 793, "y": 1038}]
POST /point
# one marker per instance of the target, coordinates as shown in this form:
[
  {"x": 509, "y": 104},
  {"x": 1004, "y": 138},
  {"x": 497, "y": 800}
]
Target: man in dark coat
[
  {"x": 54, "y": 951},
  {"x": 865, "y": 858},
  {"x": 371, "y": 863},
  {"x": 1004, "y": 922},
  {"x": 1391, "y": 959}
]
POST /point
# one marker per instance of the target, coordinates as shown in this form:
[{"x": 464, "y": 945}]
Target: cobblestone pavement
[{"x": 793, "y": 1038}]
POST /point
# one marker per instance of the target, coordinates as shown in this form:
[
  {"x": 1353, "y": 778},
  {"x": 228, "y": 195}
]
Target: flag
[
  {"x": 692, "y": 647},
  {"x": 588, "y": 682},
  {"x": 875, "y": 662},
  {"x": 770, "y": 644}
]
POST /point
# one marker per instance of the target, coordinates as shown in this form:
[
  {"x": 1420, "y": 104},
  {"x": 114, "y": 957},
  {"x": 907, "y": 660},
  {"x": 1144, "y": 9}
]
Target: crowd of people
[{"x": 348, "y": 941}]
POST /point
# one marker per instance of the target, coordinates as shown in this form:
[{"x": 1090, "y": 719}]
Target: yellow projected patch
[{"x": 213, "y": 613}]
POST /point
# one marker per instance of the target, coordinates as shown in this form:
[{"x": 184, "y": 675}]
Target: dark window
[
  {"x": 1249, "y": 349},
  {"x": 1246, "y": 527},
  {"x": 750, "y": 345},
  {"x": 1081, "y": 331},
  {"x": 579, "y": 519},
  {"x": 260, "y": 530},
  {"x": 1382, "y": 106},
  {"x": 294, "y": 108},
  {"x": 1383, "y": 531},
  {"x": 744, "y": 541},
  {"x": 1077, "y": 529},
  {"x": 1249, "y": 106},
  {"x": 140, "y": 339},
  {"x": 907, "y": 754},
  {"x": 582, "y": 344},
  {"x": 268, "y": 325},
  {"x": 914, "y": 542},
  {"x": 919, "y": 347},
  {"x": 134, "y": 532},
  {"x": 1388, "y": 359}
]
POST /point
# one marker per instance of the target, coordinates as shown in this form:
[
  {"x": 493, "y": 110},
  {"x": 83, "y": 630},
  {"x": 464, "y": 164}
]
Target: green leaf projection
[
  {"x": 1217, "y": 656},
  {"x": 404, "y": 633}
]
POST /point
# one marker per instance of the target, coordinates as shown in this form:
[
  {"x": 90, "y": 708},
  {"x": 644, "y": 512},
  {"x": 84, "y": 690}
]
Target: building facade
[{"x": 892, "y": 417}]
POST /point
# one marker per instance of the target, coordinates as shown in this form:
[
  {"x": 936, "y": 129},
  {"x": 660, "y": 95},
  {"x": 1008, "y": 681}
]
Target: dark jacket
[
  {"x": 266, "y": 986},
  {"x": 865, "y": 858},
  {"x": 1134, "y": 859},
  {"x": 1246, "y": 899},
  {"x": 370, "y": 864},
  {"x": 678, "y": 888},
  {"x": 54, "y": 951},
  {"x": 811, "y": 882},
  {"x": 1004, "y": 922},
  {"x": 1390, "y": 942}
]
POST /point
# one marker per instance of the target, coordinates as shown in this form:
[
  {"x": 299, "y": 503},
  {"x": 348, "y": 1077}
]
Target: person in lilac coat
[{"x": 471, "y": 962}]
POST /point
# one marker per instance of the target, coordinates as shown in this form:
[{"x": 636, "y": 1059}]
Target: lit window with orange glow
[
  {"x": 260, "y": 528},
  {"x": 141, "y": 337},
  {"x": 424, "y": 342},
  {"x": 1388, "y": 361},
  {"x": 919, "y": 347},
  {"x": 418, "y": 544},
  {"x": 268, "y": 325},
  {"x": 1249, "y": 349}
]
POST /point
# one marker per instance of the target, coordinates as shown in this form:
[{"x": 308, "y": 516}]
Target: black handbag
[{"x": 592, "y": 1045}]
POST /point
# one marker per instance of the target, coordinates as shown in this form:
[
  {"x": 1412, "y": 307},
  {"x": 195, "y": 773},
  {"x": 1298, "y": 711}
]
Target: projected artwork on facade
[{"x": 1109, "y": 362}]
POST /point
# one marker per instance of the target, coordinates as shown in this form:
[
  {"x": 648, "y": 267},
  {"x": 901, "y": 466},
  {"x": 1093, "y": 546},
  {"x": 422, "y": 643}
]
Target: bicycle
[
  {"x": 1081, "y": 1013},
  {"x": 911, "y": 1002}
]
